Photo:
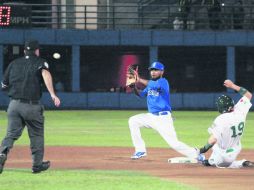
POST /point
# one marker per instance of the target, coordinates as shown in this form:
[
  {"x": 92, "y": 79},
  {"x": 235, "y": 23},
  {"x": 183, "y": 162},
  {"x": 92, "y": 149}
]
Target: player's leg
[
  {"x": 14, "y": 131},
  {"x": 136, "y": 122},
  {"x": 240, "y": 164},
  {"x": 36, "y": 135},
  {"x": 217, "y": 158},
  {"x": 164, "y": 125},
  {"x": 15, "y": 127},
  {"x": 224, "y": 158},
  {"x": 35, "y": 125},
  {"x": 230, "y": 156}
]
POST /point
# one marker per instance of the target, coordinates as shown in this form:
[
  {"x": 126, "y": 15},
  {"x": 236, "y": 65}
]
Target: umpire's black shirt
[{"x": 23, "y": 77}]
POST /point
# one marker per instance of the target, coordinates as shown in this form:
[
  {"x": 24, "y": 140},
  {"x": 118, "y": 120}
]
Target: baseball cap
[
  {"x": 31, "y": 45},
  {"x": 156, "y": 65}
]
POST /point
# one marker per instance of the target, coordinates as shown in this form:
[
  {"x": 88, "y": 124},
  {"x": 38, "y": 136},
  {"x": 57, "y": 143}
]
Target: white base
[{"x": 182, "y": 160}]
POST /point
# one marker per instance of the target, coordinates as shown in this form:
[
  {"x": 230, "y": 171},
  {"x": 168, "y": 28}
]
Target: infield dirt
[{"x": 116, "y": 158}]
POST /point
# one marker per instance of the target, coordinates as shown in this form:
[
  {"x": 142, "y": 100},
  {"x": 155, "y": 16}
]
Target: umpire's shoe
[
  {"x": 44, "y": 166},
  {"x": 3, "y": 158},
  {"x": 248, "y": 164}
]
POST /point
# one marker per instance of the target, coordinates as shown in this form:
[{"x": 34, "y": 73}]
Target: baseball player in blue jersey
[{"x": 159, "y": 118}]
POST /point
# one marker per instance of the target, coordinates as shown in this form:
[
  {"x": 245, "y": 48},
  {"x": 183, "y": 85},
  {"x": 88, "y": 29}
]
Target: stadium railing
[{"x": 141, "y": 16}]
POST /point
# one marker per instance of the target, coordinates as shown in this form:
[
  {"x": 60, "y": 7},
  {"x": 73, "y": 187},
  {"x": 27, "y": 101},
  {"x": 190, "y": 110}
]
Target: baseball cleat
[
  {"x": 3, "y": 158},
  {"x": 44, "y": 166},
  {"x": 248, "y": 164},
  {"x": 138, "y": 155},
  {"x": 201, "y": 157}
]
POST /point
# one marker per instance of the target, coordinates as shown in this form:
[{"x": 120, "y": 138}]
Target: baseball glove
[{"x": 131, "y": 76}]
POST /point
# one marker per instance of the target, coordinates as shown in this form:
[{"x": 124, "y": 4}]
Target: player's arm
[
  {"x": 211, "y": 141},
  {"x": 5, "y": 82},
  {"x": 49, "y": 84},
  {"x": 137, "y": 91},
  {"x": 138, "y": 79},
  {"x": 4, "y": 86},
  {"x": 239, "y": 89},
  {"x": 142, "y": 81}
]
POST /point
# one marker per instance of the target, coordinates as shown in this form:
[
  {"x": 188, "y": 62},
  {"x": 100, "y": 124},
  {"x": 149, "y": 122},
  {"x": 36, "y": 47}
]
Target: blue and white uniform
[
  {"x": 158, "y": 96},
  {"x": 159, "y": 118}
]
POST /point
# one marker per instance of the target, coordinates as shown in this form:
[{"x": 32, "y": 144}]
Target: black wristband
[
  {"x": 206, "y": 148},
  {"x": 242, "y": 91}
]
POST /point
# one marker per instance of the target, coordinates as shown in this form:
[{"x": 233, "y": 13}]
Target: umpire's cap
[
  {"x": 157, "y": 65},
  {"x": 31, "y": 45}
]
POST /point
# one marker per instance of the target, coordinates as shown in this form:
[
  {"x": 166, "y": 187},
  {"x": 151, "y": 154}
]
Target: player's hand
[
  {"x": 228, "y": 83},
  {"x": 132, "y": 76},
  {"x": 56, "y": 100},
  {"x": 136, "y": 74}
]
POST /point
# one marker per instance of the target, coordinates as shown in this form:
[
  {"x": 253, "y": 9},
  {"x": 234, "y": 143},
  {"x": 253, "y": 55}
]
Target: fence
[{"x": 131, "y": 16}]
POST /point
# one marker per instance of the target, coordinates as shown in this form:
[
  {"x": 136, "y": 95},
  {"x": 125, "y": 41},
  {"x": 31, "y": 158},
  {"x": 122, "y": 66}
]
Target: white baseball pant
[
  {"x": 225, "y": 158},
  {"x": 163, "y": 124}
]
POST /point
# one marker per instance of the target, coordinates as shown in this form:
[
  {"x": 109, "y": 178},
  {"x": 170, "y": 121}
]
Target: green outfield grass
[
  {"x": 110, "y": 128},
  {"x": 89, "y": 180},
  {"x": 107, "y": 128}
]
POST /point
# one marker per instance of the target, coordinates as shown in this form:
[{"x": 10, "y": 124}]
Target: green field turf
[
  {"x": 20, "y": 179},
  {"x": 107, "y": 128},
  {"x": 110, "y": 128}
]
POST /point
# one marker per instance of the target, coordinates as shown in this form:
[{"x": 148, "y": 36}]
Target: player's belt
[
  {"x": 28, "y": 101},
  {"x": 161, "y": 113}
]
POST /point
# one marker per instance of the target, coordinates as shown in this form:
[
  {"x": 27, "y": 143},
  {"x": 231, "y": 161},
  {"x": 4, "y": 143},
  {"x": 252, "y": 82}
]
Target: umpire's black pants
[{"x": 25, "y": 114}]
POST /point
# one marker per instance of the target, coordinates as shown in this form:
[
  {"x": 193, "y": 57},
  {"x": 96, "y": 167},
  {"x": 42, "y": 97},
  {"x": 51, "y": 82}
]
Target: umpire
[{"x": 23, "y": 80}]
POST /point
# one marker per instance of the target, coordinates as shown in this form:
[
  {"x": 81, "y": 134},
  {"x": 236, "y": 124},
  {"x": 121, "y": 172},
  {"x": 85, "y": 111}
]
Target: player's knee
[
  {"x": 14, "y": 136},
  {"x": 132, "y": 121}
]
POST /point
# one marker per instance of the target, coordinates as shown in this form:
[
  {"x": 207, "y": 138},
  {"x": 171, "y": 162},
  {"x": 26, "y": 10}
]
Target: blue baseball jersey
[{"x": 158, "y": 95}]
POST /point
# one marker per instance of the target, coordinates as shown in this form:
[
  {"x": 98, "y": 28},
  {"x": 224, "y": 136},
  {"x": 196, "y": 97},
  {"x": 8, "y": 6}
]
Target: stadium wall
[
  {"x": 180, "y": 101},
  {"x": 150, "y": 38}
]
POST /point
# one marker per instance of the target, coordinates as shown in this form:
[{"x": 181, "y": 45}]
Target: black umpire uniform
[{"x": 23, "y": 80}]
